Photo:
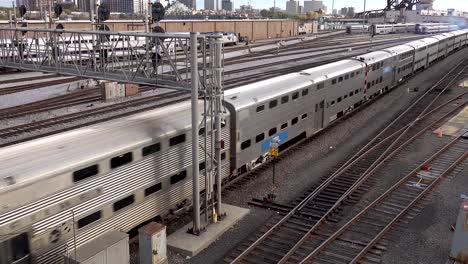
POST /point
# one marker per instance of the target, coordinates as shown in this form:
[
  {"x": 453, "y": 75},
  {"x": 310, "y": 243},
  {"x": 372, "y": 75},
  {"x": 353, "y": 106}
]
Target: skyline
[{"x": 358, "y": 4}]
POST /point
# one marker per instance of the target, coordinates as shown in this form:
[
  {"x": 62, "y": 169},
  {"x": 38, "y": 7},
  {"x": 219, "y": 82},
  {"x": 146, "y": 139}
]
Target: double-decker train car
[{"x": 122, "y": 173}]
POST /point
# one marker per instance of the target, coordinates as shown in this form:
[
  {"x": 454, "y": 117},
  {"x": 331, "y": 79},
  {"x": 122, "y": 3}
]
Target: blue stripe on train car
[{"x": 283, "y": 136}]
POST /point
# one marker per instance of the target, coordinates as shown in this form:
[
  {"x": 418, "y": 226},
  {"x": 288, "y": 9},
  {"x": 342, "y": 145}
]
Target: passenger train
[
  {"x": 122, "y": 173},
  {"x": 383, "y": 29}
]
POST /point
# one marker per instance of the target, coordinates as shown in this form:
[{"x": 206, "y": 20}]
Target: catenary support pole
[
  {"x": 195, "y": 145},
  {"x": 218, "y": 118}
]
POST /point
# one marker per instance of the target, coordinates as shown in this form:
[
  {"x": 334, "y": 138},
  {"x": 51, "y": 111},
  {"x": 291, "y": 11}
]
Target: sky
[{"x": 358, "y": 4}]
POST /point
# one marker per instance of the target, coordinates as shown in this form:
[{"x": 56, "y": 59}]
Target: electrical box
[
  {"x": 109, "y": 248},
  {"x": 152, "y": 244},
  {"x": 459, "y": 249}
]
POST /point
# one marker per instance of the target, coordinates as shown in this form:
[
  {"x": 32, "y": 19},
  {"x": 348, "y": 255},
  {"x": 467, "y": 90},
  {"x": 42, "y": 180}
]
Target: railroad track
[
  {"x": 281, "y": 239},
  {"x": 358, "y": 239},
  {"x": 316, "y": 46},
  {"x": 147, "y": 103},
  {"x": 246, "y": 79},
  {"x": 32, "y": 86}
]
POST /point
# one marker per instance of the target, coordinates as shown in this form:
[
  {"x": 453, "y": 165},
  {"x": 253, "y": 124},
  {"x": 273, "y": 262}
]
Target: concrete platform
[{"x": 190, "y": 245}]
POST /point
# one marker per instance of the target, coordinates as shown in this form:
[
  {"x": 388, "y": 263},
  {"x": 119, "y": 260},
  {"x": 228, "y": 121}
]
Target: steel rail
[
  {"x": 431, "y": 186},
  {"x": 344, "y": 167},
  {"x": 412, "y": 173},
  {"x": 377, "y": 163}
]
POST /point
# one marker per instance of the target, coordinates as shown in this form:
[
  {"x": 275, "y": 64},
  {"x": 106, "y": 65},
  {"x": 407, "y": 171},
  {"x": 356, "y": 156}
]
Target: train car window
[
  {"x": 19, "y": 247},
  {"x": 122, "y": 203},
  {"x": 85, "y": 173},
  {"x": 284, "y": 99},
  {"x": 334, "y": 81},
  {"x": 178, "y": 177},
  {"x": 260, "y": 108},
  {"x": 260, "y": 137},
  {"x": 121, "y": 160},
  {"x": 177, "y": 140},
  {"x": 304, "y": 116},
  {"x": 201, "y": 166},
  {"x": 294, "y": 121},
  {"x": 381, "y": 79},
  {"x": 382, "y": 64},
  {"x": 320, "y": 86},
  {"x": 373, "y": 67},
  {"x": 151, "y": 149},
  {"x": 333, "y": 102},
  {"x": 351, "y": 93},
  {"x": 223, "y": 156},
  {"x": 245, "y": 144},
  {"x": 273, "y": 103},
  {"x": 272, "y": 131},
  {"x": 285, "y": 125},
  {"x": 305, "y": 92},
  {"x": 339, "y": 99},
  {"x": 345, "y": 96},
  {"x": 373, "y": 83},
  {"x": 356, "y": 91},
  {"x": 346, "y": 77},
  {"x": 368, "y": 85},
  {"x": 153, "y": 189},
  {"x": 89, "y": 219},
  {"x": 295, "y": 96},
  {"x": 340, "y": 79},
  {"x": 352, "y": 75}
]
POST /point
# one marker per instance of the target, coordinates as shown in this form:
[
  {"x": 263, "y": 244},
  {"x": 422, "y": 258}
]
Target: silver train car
[
  {"x": 125, "y": 172},
  {"x": 433, "y": 28},
  {"x": 382, "y": 29}
]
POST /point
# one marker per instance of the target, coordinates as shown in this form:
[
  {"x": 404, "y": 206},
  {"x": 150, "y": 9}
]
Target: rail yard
[{"x": 325, "y": 148}]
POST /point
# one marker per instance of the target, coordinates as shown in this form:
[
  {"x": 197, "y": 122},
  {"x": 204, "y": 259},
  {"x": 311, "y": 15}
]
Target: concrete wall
[{"x": 253, "y": 29}]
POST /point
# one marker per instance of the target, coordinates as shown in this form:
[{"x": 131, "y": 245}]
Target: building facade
[
  {"x": 212, "y": 5},
  {"x": 292, "y": 7},
  {"x": 227, "y": 5},
  {"x": 314, "y": 6},
  {"x": 191, "y": 4}
]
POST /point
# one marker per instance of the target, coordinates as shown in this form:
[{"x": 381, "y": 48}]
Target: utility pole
[
  {"x": 195, "y": 147},
  {"x": 364, "y": 17}
]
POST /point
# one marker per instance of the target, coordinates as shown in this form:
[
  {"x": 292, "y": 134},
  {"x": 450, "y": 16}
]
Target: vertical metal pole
[
  {"x": 92, "y": 5},
  {"x": 364, "y": 17},
  {"x": 195, "y": 144},
  {"x": 218, "y": 86}
]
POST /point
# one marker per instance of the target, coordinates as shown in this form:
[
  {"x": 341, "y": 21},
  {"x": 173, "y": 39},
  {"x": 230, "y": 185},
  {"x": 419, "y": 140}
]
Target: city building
[
  {"x": 292, "y": 7},
  {"x": 191, "y": 4},
  {"x": 123, "y": 6},
  {"x": 212, "y": 5},
  {"x": 227, "y": 5},
  {"x": 314, "y": 6},
  {"x": 350, "y": 12},
  {"x": 335, "y": 12},
  {"x": 344, "y": 11}
]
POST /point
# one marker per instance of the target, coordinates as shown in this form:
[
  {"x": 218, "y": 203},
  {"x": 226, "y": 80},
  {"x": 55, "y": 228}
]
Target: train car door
[{"x": 319, "y": 115}]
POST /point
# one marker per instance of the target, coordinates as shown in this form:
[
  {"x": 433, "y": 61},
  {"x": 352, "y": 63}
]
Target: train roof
[
  {"x": 71, "y": 150},
  {"x": 398, "y": 49},
  {"x": 266, "y": 90},
  {"x": 417, "y": 44},
  {"x": 250, "y": 94},
  {"x": 373, "y": 57}
]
